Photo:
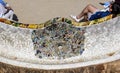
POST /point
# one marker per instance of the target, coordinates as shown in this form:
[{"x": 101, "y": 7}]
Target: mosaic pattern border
[{"x": 54, "y": 20}]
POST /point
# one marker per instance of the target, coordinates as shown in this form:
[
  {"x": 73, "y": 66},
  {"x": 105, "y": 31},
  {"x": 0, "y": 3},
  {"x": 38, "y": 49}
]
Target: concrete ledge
[{"x": 101, "y": 46}]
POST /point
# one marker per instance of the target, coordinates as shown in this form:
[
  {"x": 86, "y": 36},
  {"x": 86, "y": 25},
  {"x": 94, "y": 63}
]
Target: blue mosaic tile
[{"x": 58, "y": 41}]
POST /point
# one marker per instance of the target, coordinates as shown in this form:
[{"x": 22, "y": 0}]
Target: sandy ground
[{"x": 38, "y": 11}]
